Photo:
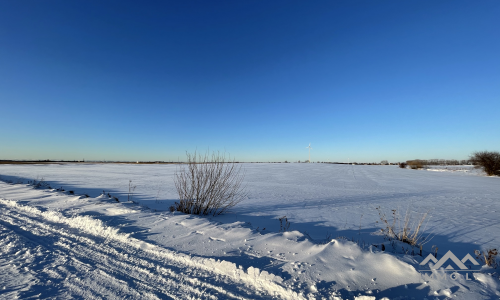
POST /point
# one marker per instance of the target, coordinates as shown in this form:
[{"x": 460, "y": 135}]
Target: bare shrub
[
  {"x": 488, "y": 257},
  {"x": 407, "y": 229},
  {"x": 489, "y": 160},
  {"x": 209, "y": 184},
  {"x": 403, "y": 165}
]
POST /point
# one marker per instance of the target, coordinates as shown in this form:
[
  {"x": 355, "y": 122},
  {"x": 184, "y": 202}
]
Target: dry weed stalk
[
  {"x": 208, "y": 184},
  {"x": 284, "y": 224},
  {"x": 131, "y": 189}
]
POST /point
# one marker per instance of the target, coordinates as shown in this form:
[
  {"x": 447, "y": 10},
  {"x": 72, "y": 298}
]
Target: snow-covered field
[{"x": 58, "y": 245}]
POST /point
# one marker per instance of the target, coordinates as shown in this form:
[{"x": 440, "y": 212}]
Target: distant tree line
[
  {"x": 488, "y": 160},
  {"x": 438, "y": 162}
]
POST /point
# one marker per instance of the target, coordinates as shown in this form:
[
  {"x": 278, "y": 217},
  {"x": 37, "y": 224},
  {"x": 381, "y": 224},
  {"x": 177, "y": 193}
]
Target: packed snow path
[{"x": 47, "y": 255}]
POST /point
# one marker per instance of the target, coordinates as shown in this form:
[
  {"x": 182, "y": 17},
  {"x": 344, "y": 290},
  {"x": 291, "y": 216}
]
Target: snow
[
  {"x": 465, "y": 169},
  {"x": 54, "y": 244}
]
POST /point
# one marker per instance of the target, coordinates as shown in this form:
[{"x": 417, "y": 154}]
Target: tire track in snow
[
  {"x": 92, "y": 261},
  {"x": 65, "y": 264}
]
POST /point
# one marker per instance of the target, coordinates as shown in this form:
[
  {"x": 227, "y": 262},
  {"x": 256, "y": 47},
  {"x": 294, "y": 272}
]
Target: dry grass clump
[
  {"x": 208, "y": 184},
  {"x": 407, "y": 229},
  {"x": 39, "y": 183},
  {"x": 488, "y": 257}
]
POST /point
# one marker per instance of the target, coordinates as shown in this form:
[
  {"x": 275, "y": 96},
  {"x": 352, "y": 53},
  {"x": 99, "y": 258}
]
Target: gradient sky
[{"x": 150, "y": 80}]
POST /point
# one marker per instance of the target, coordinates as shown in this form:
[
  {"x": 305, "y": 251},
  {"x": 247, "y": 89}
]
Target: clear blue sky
[{"x": 149, "y": 80}]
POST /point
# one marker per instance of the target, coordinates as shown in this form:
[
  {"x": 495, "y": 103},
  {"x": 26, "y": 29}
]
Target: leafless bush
[
  {"x": 209, "y": 184},
  {"x": 489, "y": 160},
  {"x": 402, "y": 165},
  {"x": 407, "y": 229},
  {"x": 488, "y": 257}
]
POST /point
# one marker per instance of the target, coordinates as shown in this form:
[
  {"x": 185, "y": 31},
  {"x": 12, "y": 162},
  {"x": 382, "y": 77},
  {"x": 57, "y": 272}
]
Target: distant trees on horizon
[{"x": 438, "y": 162}]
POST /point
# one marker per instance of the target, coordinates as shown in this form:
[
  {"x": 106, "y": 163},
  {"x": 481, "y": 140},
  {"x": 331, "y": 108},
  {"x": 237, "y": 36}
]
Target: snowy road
[{"x": 47, "y": 255}]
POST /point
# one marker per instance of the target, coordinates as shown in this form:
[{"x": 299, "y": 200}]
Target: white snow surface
[
  {"x": 465, "y": 169},
  {"x": 54, "y": 244}
]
